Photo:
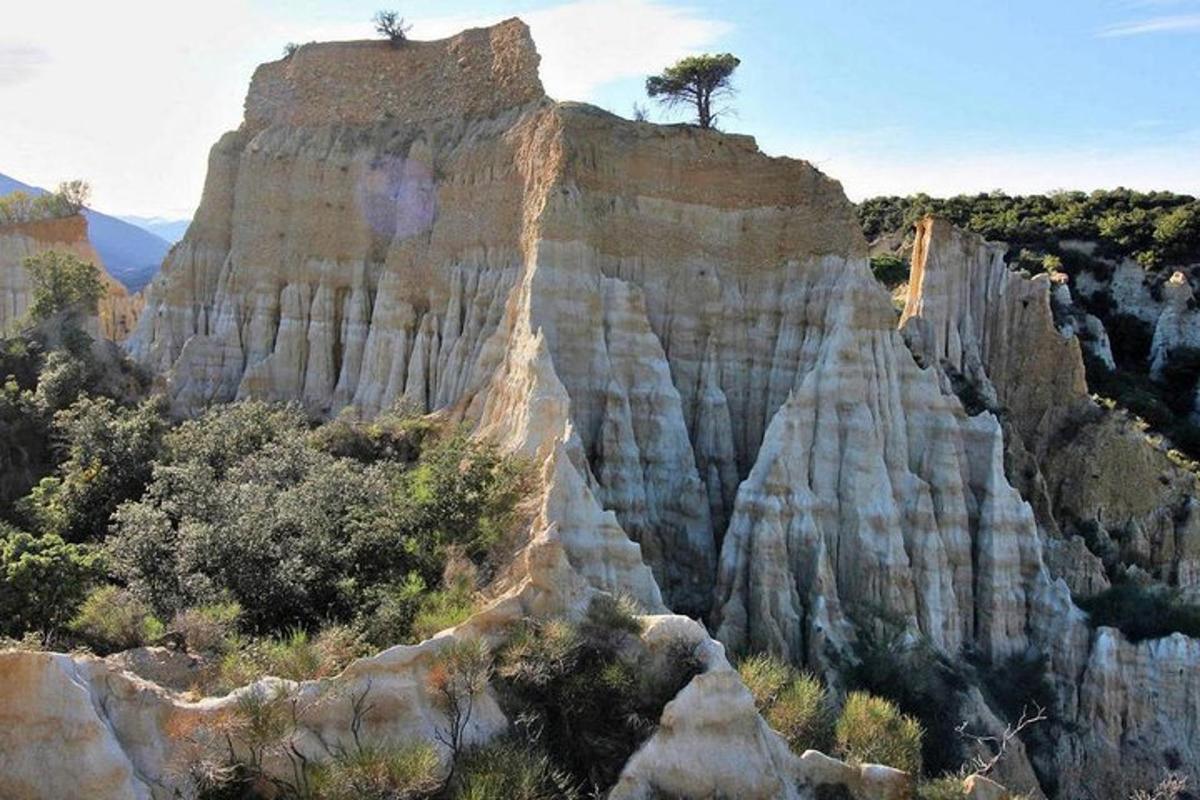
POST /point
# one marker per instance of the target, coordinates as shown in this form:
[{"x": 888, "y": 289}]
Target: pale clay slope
[{"x": 683, "y": 334}]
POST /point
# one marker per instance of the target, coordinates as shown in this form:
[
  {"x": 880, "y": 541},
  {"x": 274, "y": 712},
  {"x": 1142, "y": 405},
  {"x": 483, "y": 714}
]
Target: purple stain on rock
[{"x": 396, "y": 196}]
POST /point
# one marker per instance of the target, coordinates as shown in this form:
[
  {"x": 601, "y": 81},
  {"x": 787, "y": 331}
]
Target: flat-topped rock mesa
[
  {"x": 476, "y": 74},
  {"x": 118, "y": 310}
]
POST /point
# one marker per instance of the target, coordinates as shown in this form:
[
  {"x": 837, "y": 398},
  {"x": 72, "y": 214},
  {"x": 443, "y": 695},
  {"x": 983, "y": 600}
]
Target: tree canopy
[
  {"x": 68, "y": 200},
  {"x": 393, "y": 26},
  {"x": 696, "y": 81},
  {"x": 62, "y": 282}
]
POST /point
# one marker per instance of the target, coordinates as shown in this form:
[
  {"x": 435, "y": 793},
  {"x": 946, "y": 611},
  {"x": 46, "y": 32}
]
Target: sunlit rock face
[
  {"x": 993, "y": 330},
  {"x": 684, "y": 336},
  {"x": 1083, "y": 468},
  {"x": 117, "y": 312}
]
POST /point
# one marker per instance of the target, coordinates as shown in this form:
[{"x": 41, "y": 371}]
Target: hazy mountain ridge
[{"x": 132, "y": 254}]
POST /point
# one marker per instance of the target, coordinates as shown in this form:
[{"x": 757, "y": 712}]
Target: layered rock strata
[
  {"x": 971, "y": 318},
  {"x": 685, "y": 337},
  {"x": 118, "y": 310}
]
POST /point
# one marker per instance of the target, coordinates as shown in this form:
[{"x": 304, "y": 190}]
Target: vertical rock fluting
[
  {"x": 682, "y": 332},
  {"x": 117, "y": 312},
  {"x": 969, "y": 316}
]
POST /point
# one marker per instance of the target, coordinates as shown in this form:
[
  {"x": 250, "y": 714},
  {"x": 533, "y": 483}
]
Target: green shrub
[
  {"x": 247, "y": 503},
  {"x": 765, "y": 676},
  {"x": 380, "y": 772},
  {"x": 439, "y": 610},
  {"x": 919, "y": 680},
  {"x": 390, "y": 611},
  {"x": 62, "y": 282},
  {"x": 889, "y": 270},
  {"x": 398, "y": 435},
  {"x": 871, "y": 730},
  {"x": 295, "y": 656},
  {"x": 947, "y": 787},
  {"x": 1143, "y": 612},
  {"x": 208, "y": 629},
  {"x": 112, "y": 619},
  {"x": 109, "y": 455},
  {"x": 794, "y": 703},
  {"x": 42, "y": 581},
  {"x": 511, "y": 769},
  {"x": 589, "y": 691}
]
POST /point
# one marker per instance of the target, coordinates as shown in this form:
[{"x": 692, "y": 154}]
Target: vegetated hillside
[
  {"x": 1117, "y": 250},
  {"x": 1159, "y": 230},
  {"x": 132, "y": 255}
]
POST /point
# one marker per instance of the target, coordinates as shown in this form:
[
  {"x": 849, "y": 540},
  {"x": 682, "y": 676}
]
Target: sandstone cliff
[
  {"x": 118, "y": 311},
  {"x": 996, "y": 333},
  {"x": 992, "y": 334},
  {"x": 685, "y": 337}
]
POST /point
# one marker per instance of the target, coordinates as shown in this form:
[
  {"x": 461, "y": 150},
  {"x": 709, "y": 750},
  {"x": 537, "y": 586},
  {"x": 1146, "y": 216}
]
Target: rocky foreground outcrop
[{"x": 685, "y": 336}]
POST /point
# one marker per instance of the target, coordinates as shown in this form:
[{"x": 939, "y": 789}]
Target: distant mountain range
[
  {"x": 132, "y": 253},
  {"x": 170, "y": 229}
]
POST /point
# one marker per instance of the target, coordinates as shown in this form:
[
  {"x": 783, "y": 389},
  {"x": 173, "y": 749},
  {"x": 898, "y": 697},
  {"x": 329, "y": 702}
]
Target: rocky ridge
[
  {"x": 992, "y": 334},
  {"x": 684, "y": 335}
]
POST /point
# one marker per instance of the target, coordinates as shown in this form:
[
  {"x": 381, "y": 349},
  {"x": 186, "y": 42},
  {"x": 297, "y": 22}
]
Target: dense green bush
[
  {"x": 585, "y": 693},
  {"x": 42, "y": 581},
  {"x": 511, "y": 769},
  {"x": 889, "y": 270},
  {"x": 61, "y": 282},
  {"x": 794, "y": 703},
  {"x": 1156, "y": 228},
  {"x": 209, "y": 629},
  {"x": 871, "y": 730},
  {"x": 112, "y": 619},
  {"x": 34, "y": 384},
  {"x": 387, "y": 772},
  {"x": 109, "y": 452},
  {"x": 247, "y": 503},
  {"x": 919, "y": 680},
  {"x": 1143, "y": 611}
]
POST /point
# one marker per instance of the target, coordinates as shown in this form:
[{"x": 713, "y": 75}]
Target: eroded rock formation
[
  {"x": 118, "y": 310},
  {"x": 991, "y": 332},
  {"x": 685, "y": 336}
]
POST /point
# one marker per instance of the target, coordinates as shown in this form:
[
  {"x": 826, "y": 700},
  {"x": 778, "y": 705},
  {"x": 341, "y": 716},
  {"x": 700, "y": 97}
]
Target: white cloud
[
  {"x": 587, "y": 44},
  {"x": 20, "y": 62},
  {"x": 1175, "y": 23}
]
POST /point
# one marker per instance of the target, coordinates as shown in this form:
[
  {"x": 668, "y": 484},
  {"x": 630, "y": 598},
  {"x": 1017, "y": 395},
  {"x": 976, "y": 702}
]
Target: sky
[{"x": 944, "y": 96}]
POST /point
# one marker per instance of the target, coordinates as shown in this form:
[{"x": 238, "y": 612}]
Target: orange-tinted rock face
[{"x": 118, "y": 311}]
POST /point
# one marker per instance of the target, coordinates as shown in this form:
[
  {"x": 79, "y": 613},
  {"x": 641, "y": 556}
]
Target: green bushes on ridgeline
[
  {"x": 1155, "y": 228},
  {"x": 68, "y": 200}
]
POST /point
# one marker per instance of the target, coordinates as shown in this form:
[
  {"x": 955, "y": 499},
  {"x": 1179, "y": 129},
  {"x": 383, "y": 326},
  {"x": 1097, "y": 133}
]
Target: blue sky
[{"x": 942, "y": 96}]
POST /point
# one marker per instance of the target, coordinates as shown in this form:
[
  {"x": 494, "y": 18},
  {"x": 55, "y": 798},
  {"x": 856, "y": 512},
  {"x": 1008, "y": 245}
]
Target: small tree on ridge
[
  {"x": 696, "y": 81},
  {"x": 393, "y": 26}
]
